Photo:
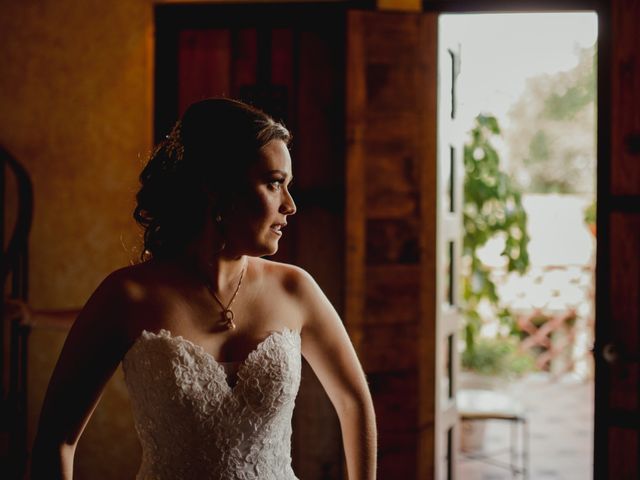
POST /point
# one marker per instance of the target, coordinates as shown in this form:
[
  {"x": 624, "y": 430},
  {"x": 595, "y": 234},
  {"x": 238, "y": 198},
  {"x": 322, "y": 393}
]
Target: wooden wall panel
[
  {"x": 317, "y": 75},
  {"x": 282, "y": 60},
  {"x": 244, "y": 62},
  {"x": 320, "y": 84},
  {"x": 204, "y": 65}
]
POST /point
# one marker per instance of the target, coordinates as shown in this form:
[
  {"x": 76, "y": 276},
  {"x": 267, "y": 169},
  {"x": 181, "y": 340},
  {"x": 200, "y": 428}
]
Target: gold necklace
[{"x": 227, "y": 313}]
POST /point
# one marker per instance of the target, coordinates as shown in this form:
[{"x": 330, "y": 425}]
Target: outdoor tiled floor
[{"x": 560, "y": 415}]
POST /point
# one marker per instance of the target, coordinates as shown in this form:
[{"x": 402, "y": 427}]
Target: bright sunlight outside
[{"x": 526, "y": 107}]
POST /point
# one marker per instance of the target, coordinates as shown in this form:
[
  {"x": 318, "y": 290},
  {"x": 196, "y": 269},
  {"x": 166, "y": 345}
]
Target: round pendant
[{"x": 227, "y": 315}]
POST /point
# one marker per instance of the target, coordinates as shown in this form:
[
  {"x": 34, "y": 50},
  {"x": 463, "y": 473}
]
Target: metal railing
[{"x": 14, "y": 266}]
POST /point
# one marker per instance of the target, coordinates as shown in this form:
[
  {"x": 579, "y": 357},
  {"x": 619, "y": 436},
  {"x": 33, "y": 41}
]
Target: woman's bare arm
[
  {"x": 330, "y": 353},
  {"x": 91, "y": 353}
]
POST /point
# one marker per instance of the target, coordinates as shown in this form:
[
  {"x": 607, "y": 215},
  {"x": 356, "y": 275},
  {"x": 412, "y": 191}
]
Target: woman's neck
[
  {"x": 215, "y": 262},
  {"x": 219, "y": 270}
]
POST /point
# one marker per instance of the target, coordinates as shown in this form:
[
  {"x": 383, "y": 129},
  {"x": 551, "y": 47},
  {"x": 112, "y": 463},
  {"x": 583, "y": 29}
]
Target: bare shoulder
[
  {"x": 300, "y": 286},
  {"x": 293, "y": 279},
  {"x": 115, "y": 304},
  {"x": 123, "y": 287},
  {"x": 128, "y": 284}
]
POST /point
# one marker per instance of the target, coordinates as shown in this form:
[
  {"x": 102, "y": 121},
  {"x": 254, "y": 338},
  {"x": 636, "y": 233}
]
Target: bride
[{"x": 209, "y": 333}]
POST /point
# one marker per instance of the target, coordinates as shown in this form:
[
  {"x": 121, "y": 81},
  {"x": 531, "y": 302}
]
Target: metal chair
[{"x": 485, "y": 405}]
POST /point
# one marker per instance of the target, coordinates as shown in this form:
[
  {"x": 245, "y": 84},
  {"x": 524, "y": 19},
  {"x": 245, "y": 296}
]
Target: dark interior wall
[{"x": 289, "y": 61}]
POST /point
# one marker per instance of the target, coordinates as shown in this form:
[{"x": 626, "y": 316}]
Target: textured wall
[
  {"x": 75, "y": 96},
  {"x": 108, "y": 448},
  {"x": 76, "y": 110}
]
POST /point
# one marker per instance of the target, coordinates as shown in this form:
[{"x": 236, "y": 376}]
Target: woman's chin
[
  {"x": 273, "y": 250},
  {"x": 266, "y": 249}
]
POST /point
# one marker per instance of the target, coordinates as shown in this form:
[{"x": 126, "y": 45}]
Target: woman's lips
[{"x": 277, "y": 228}]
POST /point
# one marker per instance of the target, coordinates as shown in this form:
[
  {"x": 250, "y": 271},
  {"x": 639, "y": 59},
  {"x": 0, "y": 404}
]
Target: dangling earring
[{"x": 218, "y": 219}]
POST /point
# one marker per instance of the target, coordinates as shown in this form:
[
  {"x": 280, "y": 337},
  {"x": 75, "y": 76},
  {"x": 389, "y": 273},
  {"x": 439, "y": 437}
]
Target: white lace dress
[{"x": 193, "y": 424}]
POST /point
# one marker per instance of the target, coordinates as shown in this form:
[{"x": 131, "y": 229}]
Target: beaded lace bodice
[{"x": 193, "y": 425}]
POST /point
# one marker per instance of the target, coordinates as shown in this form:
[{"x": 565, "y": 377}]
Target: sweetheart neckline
[{"x": 218, "y": 366}]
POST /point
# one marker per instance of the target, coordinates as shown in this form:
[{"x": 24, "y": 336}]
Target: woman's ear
[{"x": 217, "y": 205}]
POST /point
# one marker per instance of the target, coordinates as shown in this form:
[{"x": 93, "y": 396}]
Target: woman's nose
[{"x": 288, "y": 206}]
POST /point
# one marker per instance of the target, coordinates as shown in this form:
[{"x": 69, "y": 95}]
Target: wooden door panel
[
  {"x": 617, "y": 349},
  {"x": 625, "y": 310},
  {"x": 391, "y": 215},
  {"x": 391, "y": 295},
  {"x": 392, "y": 151},
  {"x": 395, "y": 241},
  {"x": 622, "y": 453},
  {"x": 390, "y": 348},
  {"x": 449, "y": 235},
  {"x": 390, "y": 87},
  {"x": 396, "y": 393},
  {"x": 625, "y": 91}
]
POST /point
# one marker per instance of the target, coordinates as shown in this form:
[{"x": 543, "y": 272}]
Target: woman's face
[{"x": 259, "y": 215}]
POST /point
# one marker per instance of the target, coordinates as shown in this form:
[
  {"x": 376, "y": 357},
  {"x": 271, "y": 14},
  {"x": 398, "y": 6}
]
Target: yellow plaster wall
[
  {"x": 399, "y": 5},
  {"x": 76, "y": 110},
  {"x": 75, "y": 93}
]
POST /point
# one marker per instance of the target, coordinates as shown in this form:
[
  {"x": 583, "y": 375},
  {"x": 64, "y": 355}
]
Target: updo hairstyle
[{"x": 206, "y": 156}]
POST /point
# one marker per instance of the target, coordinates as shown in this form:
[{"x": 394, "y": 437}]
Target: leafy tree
[
  {"x": 551, "y": 138},
  {"x": 492, "y": 207}
]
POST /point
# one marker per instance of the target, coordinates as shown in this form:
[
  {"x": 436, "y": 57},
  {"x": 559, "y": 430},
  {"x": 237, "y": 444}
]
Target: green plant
[
  {"x": 590, "y": 213},
  {"x": 492, "y": 207},
  {"x": 497, "y": 357}
]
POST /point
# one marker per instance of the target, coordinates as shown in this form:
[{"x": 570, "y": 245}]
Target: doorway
[{"x": 520, "y": 107}]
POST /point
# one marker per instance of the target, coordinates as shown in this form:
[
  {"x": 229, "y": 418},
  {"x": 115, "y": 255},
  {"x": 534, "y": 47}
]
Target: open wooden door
[
  {"x": 617, "y": 421},
  {"x": 395, "y": 301},
  {"x": 449, "y": 234}
]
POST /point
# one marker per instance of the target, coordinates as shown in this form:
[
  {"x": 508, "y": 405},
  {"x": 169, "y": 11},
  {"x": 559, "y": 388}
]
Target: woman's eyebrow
[{"x": 281, "y": 172}]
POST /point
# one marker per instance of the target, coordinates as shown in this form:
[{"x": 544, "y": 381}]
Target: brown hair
[{"x": 208, "y": 151}]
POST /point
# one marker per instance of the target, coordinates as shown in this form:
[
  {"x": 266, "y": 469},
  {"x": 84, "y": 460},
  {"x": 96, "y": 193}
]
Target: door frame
[{"x": 606, "y": 203}]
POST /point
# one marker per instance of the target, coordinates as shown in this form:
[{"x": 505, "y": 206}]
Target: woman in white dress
[{"x": 210, "y": 335}]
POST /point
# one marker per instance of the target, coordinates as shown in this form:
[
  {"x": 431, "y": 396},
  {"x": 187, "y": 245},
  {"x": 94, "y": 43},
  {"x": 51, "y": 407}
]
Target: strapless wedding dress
[{"x": 193, "y": 424}]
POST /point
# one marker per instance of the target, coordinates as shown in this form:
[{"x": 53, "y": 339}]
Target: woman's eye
[{"x": 275, "y": 184}]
